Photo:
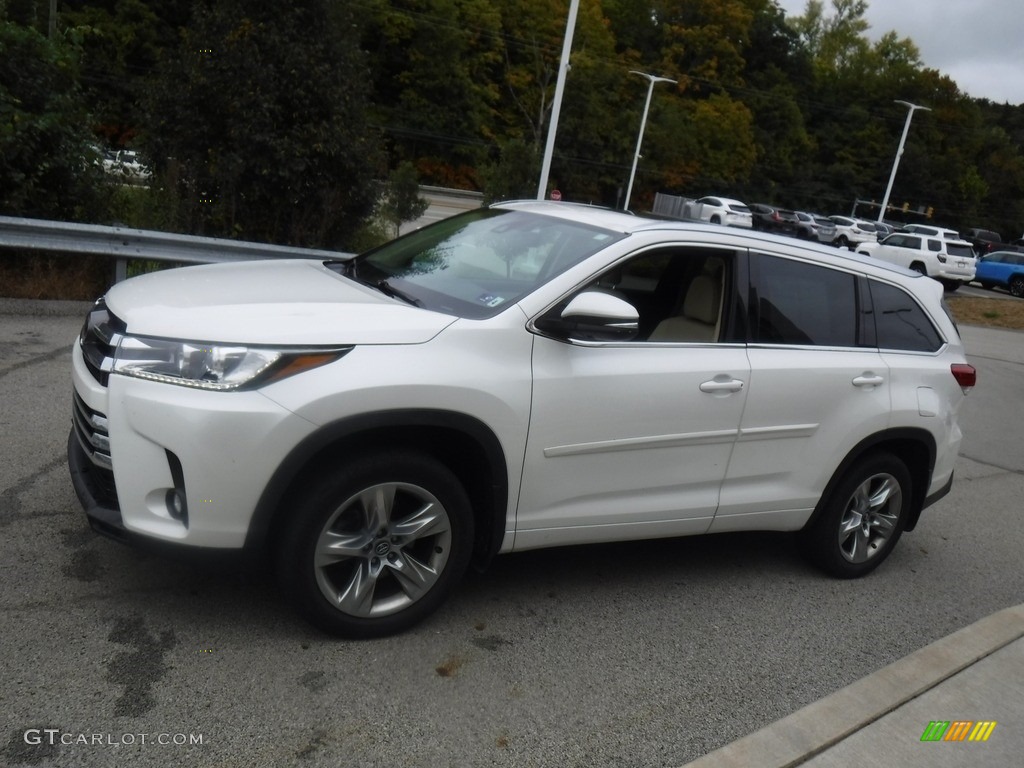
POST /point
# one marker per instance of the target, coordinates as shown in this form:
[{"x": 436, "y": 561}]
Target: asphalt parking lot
[{"x": 640, "y": 654}]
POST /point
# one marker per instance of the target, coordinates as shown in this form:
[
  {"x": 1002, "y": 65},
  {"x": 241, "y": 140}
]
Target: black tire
[
  {"x": 716, "y": 219},
  {"x": 856, "y": 527},
  {"x": 950, "y": 286},
  {"x": 918, "y": 267},
  {"x": 842, "y": 242},
  {"x": 376, "y": 546},
  {"x": 1017, "y": 286}
]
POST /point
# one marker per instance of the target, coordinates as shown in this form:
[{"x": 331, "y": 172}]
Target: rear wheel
[
  {"x": 1017, "y": 286},
  {"x": 716, "y": 219},
  {"x": 377, "y": 546},
  {"x": 860, "y": 522},
  {"x": 918, "y": 267},
  {"x": 842, "y": 242}
]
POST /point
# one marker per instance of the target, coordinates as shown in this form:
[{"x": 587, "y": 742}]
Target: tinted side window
[
  {"x": 900, "y": 323},
  {"x": 807, "y": 304}
]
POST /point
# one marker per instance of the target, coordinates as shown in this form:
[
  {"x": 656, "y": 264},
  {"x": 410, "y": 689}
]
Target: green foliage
[
  {"x": 514, "y": 175},
  {"x": 122, "y": 41},
  {"x": 259, "y": 120},
  {"x": 279, "y": 122},
  {"x": 47, "y": 167},
  {"x": 401, "y": 200}
]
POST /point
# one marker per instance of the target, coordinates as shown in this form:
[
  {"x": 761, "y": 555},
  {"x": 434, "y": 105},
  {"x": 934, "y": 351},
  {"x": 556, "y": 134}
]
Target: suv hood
[{"x": 268, "y": 302}]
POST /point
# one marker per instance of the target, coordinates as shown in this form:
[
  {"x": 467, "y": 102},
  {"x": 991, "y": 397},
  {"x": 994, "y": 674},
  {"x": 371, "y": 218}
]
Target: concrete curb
[{"x": 795, "y": 739}]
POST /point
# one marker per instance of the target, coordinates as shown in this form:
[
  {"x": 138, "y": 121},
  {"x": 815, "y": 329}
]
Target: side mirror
[{"x": 595, "y": 316}]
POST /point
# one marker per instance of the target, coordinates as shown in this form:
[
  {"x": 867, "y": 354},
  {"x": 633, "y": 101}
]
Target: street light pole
[
  {"x": 651, "y": 79},
  {"x": 899, "y": 153},
  {"x": 556, "y": 107}
]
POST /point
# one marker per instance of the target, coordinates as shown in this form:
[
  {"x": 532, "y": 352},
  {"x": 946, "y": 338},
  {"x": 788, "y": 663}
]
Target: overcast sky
[{"x": 979, "y": 44}]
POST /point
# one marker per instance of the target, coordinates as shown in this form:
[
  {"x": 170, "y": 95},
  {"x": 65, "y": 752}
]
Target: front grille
[
  {"x": 91, "y": 430},
  {"x": 99, "y": 339}
]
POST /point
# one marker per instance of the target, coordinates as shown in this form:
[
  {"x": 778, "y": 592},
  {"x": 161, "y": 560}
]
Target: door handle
[
  {"x": 721, "y": 385},
  {"x": 868, "y": 379}
]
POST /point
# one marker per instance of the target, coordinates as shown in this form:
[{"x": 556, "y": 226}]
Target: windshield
[{"x": 476, "y": 264}]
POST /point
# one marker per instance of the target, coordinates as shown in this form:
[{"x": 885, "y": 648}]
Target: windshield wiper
[{"x": 389, "y": 290}]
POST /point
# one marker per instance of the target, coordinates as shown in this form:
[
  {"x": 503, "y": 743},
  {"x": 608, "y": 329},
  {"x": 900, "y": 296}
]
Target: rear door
[{"x": 817, "y": 387}]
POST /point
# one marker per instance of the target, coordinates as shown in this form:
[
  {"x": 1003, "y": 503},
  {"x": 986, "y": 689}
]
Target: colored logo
[{"x": 958, "y": 730}]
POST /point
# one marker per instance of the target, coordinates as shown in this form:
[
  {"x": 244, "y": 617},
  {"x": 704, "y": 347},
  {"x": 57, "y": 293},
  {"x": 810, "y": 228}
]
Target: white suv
[
  {"x": 852, "y": 232},
  {"x": 724, "y": 210},
  {"x": 949, "y": 260},
  {"x": 527, "y": 375}
]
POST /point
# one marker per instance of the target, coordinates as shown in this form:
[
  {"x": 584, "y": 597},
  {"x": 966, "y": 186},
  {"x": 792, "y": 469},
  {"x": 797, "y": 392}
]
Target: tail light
[{"x": 965, "y": 376}]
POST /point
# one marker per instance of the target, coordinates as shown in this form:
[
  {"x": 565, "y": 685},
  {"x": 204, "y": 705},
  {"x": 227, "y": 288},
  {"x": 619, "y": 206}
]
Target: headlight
[{"x": 212, "y": 366}]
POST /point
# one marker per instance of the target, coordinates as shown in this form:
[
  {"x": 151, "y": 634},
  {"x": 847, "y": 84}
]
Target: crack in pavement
[
  {"x": 10, "y": 498},
  {"x": 53, "y": 354}
]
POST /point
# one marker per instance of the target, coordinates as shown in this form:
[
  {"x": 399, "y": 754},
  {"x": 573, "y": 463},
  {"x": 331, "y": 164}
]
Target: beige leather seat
[{"x": 699, "y": 318}]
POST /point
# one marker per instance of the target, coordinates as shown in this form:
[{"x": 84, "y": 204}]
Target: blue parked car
[{"x": 1002, "y": 268}]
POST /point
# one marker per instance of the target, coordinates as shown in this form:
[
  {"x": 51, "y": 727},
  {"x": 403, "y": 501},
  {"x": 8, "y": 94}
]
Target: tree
[
  {"x": 261, "y": 121},
  {"x": 433, "y": 67},
  {"x": 46, "y": 165},
  {"x": 122, "y": 41},
  {"x": 401, "y": 200}
]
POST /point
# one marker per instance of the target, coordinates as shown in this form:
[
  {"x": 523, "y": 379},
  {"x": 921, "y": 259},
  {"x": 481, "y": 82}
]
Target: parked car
[
  {"x": 927, "y": 229},
  {"x": 768, "y": 218},
  {"x": 986, "y": 241},
  {"x": 724, "y": 210},
  {"x": 852, "y": 232},
  {"x": 951, "y": 262},
  {"x": 982, "y": 240},
  {"x": 1004, "y": 269},
  {"x": 126, "y": 164},
  {"x": 525, "y": 375},
  {"x": 814, "y": 226}
]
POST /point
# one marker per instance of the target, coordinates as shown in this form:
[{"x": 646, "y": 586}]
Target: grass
[{"x": 1006, "y": 312}]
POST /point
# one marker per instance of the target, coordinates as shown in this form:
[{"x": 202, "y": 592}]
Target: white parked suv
[
  {"x": 528, "y": 375},
  {"x": 724, "y": 210},
  {"x": 949, "y": 260},
  {"x": 852, "y": 232}
]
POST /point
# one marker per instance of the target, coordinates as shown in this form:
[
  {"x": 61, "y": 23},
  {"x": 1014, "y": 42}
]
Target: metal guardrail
[{"x": 124, "y": 243}]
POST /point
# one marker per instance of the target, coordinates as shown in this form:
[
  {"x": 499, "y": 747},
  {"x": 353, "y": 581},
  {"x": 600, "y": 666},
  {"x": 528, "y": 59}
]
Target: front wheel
[
  {"x": 1017, "y": 287},
  {"x": 377, "y": 546},
  {"x": 858, "y": 525}
]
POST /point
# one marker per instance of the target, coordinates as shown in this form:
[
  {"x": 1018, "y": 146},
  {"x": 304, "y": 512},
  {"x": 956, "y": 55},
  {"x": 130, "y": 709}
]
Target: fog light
[{"x": 176, "y": 505}]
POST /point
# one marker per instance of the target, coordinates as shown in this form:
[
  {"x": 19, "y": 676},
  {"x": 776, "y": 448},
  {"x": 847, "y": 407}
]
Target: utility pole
[
  {"x": 652, "y": 79},
  {"x": 899, "y": 153},
  {"x": 556, "y": 108}
]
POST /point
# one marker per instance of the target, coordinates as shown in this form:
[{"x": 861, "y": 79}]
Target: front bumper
[{"x": 136, "y": 443}]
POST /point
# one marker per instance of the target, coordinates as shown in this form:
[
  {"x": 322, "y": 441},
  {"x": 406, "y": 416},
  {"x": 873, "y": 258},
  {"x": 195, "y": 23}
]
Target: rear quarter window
[{"x": 900, "y": 323}]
